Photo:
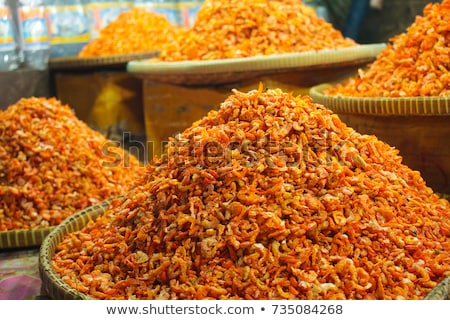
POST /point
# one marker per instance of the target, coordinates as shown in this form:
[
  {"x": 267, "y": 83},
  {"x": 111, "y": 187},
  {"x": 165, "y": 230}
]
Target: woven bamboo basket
[
  {"x": 15, "y": 239},
  {"x": 440, "y": 292},
  {"x": 417, "y": 127},
  {"x": 55, "y": 288},
  {"x": 106, "y": 62},
  {"x": 336, "y": 63},
  {"x": 52, "y": 284}
]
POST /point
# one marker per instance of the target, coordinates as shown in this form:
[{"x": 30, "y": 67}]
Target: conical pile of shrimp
[
  {"x": 136, "y": 30},
  {"x": 414, "y": 63},
  {"x": 52, "y": 165},
  {"x": 226, "y": 29},
  {"x": 269, "y": 197}
]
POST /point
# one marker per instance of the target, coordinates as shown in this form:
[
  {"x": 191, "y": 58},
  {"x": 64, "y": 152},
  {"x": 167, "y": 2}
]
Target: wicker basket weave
[
  {"x": 52, "y": 284},
  {"x": 15, "y": 239},
  {"x": 111, "y": 61},
  {"x": 411, "y": 106},
  {"x": 440, "y": 292},
  {"x": 416, "y": 126}
]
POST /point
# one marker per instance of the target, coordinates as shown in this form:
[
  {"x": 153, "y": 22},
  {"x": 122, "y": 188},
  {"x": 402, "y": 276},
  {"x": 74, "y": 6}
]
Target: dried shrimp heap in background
[
  {"x": 53, "y": 165},
  {"x": 414, "y": 63},
  {"x": 134, "y": 31},
  {"x": 269, "y": 197},
  {"x": 245, "y": 28}
]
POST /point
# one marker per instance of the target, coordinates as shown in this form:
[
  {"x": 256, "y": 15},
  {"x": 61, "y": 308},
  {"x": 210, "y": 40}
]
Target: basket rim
[
  {"x": 220, "y": 71},
  {"x": 23, "y": 238},
  {"x": 75, "y": 62},
  {"x": 382, "y": 106},
  {"x": 52, "y": 283},
  {"x": 441, "y": 291}
]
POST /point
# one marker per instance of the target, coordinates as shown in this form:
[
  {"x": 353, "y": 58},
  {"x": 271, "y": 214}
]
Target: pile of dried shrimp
[{"x": 269, "y": 197}]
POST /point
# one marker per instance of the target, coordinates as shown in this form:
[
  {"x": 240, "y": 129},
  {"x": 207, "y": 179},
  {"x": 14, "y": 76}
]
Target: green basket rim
[{"x": 381, "y": 106}]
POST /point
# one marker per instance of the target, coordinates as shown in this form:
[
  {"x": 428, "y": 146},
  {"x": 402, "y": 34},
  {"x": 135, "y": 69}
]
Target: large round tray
[
  {"x": 416, "y": 126},
  {"x": 52, "y": 284},
  {"x": 111, "y": 61},
  {"x": 222, "y": 71}
]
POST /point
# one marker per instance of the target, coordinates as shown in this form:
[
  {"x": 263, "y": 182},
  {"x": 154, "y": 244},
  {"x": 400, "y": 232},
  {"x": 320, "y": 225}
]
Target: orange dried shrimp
[
  {"x": 414, "y": 63},
  {"x": 269, "y": 197},
  {"x": 245, "y": 28},
  {"x": 53, "y": 165},
  {"x": 134, "y": 31}
]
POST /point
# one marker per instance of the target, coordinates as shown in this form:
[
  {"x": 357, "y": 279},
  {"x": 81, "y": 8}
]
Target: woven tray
[
  {"x": 15, "y": 239},
  {"x": 222, "y": 71},
  {"x": 409, "y": 106},
  {"x": 112, "y": 61},
  {"x": 440, "y": 292},
  {"x": 52, "y": 284}
]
